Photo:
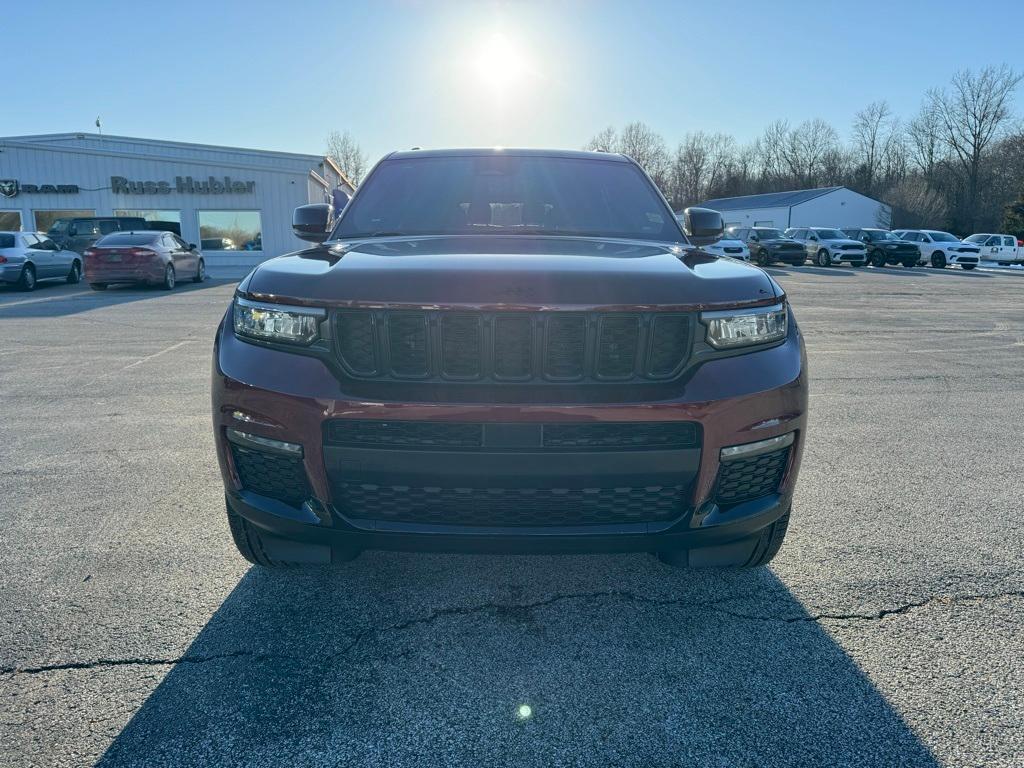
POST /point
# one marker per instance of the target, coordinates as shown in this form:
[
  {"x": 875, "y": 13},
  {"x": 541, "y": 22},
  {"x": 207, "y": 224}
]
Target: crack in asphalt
[{"x": 519, "y": 612}]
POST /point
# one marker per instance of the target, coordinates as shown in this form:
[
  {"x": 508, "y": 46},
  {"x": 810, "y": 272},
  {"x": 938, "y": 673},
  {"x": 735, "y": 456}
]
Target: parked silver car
[
  {"x": 27, "y": 257},
  {"x": 826, "y": 246}
]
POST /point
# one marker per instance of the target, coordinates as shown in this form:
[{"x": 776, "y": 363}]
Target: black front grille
[
  {"x": 746, "y": 479},
  {"x": 444, "y": 435},
  {"x": 851, "y": 247},
  {"x": 732, "y": 249},
  {"x": 269, "y": 474},
  {"x": 512, "y": 347},
  {"x": 510, "y": 506}
]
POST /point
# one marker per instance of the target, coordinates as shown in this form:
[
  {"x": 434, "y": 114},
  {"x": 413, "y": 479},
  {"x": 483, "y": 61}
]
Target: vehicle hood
[
  {"x": 513, "y": 271},
  {"x": 843, "y": 241}
]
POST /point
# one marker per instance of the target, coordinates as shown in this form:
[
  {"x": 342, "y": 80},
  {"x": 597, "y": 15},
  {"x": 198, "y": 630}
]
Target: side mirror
[
  {"x": 703, "y": 226},
  {"x": 313, "y": 222},
  {"x": 813, "y": 238},
  {"x": 192, "y": 246},
  {"x": 754, "y": 238}
]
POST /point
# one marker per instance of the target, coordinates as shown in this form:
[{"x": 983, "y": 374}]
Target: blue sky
[{"x": 398, "y": 74}]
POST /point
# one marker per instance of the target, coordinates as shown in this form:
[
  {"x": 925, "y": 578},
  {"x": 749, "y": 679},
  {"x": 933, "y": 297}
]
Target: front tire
[
  {"x": 98, "y": 286},
  {"x": 823, "y": 258},
  {"x": 27, "y": 279},
  {"x": 938, "y": 260},
  {"x": 752, "y": 552},
  {"x": 762, "y": 258},
  {"x": 877, "y": 259},
  {"x": 169, "y": 279},
  {"x": 200, "y": 272},
  {"x": 75, "y": 275}
]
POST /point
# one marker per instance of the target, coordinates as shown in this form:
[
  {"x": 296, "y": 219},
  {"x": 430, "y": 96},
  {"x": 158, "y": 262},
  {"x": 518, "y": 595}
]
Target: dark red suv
[{"x": 508, "y": 350}]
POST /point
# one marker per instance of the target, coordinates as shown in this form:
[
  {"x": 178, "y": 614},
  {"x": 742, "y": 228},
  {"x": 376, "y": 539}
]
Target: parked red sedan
[{"x": 154, "y": 258}]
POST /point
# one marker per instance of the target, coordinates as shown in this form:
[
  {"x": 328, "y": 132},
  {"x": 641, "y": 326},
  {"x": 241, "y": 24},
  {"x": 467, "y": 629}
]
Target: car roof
[{"x": 509, "y": 152}]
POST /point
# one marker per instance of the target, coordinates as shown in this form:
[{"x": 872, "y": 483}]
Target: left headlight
[
  {"x": 277, "y": 322},
  {"x": 745, "y": 327}
]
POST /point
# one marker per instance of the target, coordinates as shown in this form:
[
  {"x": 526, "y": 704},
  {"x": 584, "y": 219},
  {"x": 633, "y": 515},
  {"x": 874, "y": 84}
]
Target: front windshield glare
[
  {"x": 943, "y": 237},
  {"x": 768, "y": 234},
  {"x": 830, "y": 234},
  {"x": 976, "y": 239},
  {"x": 508, "y": 194}
]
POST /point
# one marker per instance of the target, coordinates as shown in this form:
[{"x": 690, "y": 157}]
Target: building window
[
  {"x": 166, "y": 221},
  {"x": 45, "y": 219},
  {"x": 10, "y": 221},
  {"x": 230, "y": 231}
]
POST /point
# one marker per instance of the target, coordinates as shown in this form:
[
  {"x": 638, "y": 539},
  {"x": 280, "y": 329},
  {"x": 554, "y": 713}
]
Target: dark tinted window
[
  {"x": 501, "y": 194},
  {"x": 6, "y": 241},
  {"x": 767, "y": 234},
  {"x": 129, "y": 238}
]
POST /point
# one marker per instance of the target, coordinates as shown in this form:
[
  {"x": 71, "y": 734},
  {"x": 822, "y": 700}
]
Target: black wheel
[
  {"x": 27, "y": 280},
  {"x": 823, "y": 258},
  {"x": 98, "y": 286},
  {"x": 910, "y": 263},
  {"x": 877, "y": 259},
  {"x": 269, "y": 552},
  {"x": 762, "y": 258},
  {"x": 75, "y": 275},
  {"x": 200, "y": 272},
  {"x": 968, "y": 266},
  {"x": 939, "y": 260},
  {"x": 752, "y": 552},
  {"x": 169, "y": 278}
]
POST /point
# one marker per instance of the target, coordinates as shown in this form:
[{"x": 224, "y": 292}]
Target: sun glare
[{"x": 500, "y": 64}]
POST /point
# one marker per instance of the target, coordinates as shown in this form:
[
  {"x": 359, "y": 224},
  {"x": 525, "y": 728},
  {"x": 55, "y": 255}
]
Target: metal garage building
[
  {"x": 236, "y": 203},
  {"x": 824, "y": 207}
]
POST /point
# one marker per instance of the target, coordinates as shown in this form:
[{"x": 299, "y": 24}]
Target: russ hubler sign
[{"x": 212, "y": 185}]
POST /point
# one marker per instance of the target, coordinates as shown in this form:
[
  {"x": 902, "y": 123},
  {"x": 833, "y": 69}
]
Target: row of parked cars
[
  {"x": 146, "y": 256},
  {"x": 860, "y": 246}
]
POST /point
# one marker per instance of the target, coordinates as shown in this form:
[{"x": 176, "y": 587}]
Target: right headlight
[
  {"x": 729, "y": 329},
  {"x": 277, "y": 322}
]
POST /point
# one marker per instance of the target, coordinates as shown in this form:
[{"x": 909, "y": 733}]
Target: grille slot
[
  {"x": 746, "y": 479},
  {"x": 670, "y": 342},
  {"x": 439, "y": 345},
  {"x": 278, "y": 477},
  {"x": 407, "y": 344},
  {"x": 511, "y": 506},
  {"x": 681, "y": 434},
  {"x": 513, "y": 346},
  {"x": 404, "y": 434},
  {"x": 565, "y": 347}
]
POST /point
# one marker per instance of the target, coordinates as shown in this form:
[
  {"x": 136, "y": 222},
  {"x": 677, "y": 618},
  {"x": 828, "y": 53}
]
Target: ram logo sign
[{"x": 8, "y": 187}]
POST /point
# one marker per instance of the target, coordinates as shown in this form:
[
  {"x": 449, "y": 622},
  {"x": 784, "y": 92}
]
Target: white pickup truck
[{"x": 999, "y": 248}]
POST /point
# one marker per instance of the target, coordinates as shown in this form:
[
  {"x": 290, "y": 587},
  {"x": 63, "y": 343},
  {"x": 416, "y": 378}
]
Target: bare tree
[
  {"x": 349, "y": 156},
  {"x": 972, "y": 113},
  {"x": 916, "y": 204},
  {"x": 871, "y": 127},
  {"x": 924, "y": 139},
  {"x": 806, "y": 147},
  {"x": 645, "y": 146},
  {"x": 603, "y": 141},
  {"x": 700, "y": 163}
]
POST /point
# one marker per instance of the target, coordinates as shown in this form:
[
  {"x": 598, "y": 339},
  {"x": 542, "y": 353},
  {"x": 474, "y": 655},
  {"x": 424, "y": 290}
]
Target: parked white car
[
  {"x": 728, "y": 246},
  {"x": 941, "y": 248},
  {"x": 27, "y": 257},
  {"x": 1002, "y": 249},
  {"x": 826, "y": 246}
]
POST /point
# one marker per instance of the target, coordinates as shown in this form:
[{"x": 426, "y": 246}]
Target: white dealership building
[
  {"x": 236, "y": 203},
  {"x": 823, "y": 207}
]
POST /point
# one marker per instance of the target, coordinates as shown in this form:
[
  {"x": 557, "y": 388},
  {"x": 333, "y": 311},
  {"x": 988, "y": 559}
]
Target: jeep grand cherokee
[{"x": 508, "y": 350}]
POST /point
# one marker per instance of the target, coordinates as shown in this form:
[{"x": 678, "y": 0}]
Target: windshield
[
  {"x": 508, "y": 194},
  {"x": 830, "y": 234},
  {"x": 768, "y": 234},
  {"x": 876, "y": 235},
  {"x": 976, "y": 239},
  {"x": 942, "y": 237},
  {"x": 128, "y": 238},
  {"x": 58, "y": 226}
]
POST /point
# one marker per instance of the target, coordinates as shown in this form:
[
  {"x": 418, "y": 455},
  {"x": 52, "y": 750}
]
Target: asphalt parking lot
[{"x": 889, "y": 631}]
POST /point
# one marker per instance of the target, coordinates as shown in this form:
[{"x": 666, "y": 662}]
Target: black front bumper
[{"x": 323, "y": 526}]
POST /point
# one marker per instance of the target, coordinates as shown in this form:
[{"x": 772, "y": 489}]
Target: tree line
[{"x": 958, "y": 164}]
